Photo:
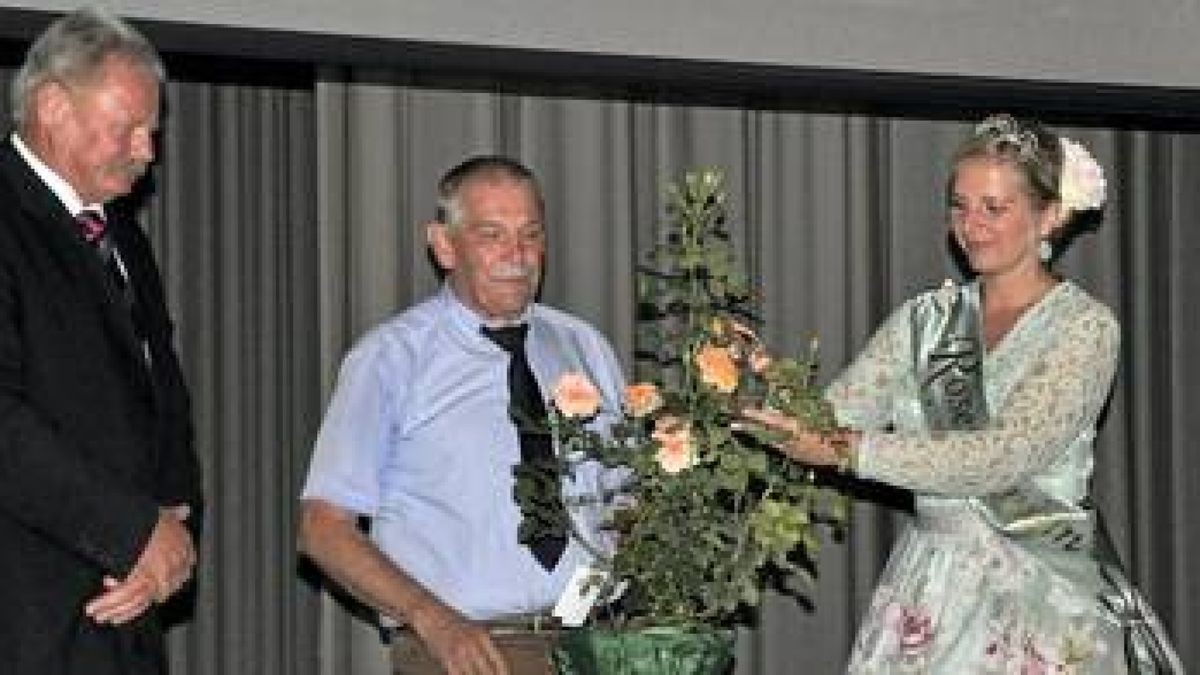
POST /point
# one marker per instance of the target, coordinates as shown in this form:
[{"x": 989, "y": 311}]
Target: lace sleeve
[
  {"x": 863, "y": 393},
  {"x": 1059, "y": 396}
]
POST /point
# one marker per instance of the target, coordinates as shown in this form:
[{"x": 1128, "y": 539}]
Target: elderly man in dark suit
[{"x": 99, "y": 484}]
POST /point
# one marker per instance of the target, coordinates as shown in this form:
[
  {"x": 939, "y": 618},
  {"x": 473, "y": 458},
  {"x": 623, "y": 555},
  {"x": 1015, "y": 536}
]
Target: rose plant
[{"x": 708, "y": 515}]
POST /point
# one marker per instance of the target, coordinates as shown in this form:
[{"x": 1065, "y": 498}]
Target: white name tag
[{"x": 580, "y": 595}]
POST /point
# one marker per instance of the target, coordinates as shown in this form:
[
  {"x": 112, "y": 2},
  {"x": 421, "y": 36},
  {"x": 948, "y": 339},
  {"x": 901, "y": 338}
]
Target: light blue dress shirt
[{"x": 418, "y": 437}]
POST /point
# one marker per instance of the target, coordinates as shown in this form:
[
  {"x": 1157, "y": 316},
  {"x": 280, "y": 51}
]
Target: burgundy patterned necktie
[
  {"x": 94, "y": 230},
  {"x": 91, "y": 225},
  {"x": 525, "y": 402}
]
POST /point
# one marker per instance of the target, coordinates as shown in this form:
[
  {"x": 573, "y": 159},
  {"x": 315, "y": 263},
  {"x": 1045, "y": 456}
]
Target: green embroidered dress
[{"x": 959, "y": 595}]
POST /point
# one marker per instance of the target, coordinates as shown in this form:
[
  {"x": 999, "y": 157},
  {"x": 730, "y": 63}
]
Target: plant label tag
[{"x": 580, "y": 595}]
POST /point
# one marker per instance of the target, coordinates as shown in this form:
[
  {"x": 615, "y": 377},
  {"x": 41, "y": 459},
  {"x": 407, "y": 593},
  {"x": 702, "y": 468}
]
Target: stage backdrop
[{"x": 286, "y": 210}]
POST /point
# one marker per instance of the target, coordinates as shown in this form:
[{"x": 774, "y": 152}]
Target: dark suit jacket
[{"x": 92, "y": 439}]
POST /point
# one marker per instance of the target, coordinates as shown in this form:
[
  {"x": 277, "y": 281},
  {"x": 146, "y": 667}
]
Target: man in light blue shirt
[{"x": 418, "y": 435}]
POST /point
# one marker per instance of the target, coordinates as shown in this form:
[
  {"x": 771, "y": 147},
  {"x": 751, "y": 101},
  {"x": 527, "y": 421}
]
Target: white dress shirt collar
[
  {"x": 59, "y": 186},
  {"x": 469, "y": 320}
]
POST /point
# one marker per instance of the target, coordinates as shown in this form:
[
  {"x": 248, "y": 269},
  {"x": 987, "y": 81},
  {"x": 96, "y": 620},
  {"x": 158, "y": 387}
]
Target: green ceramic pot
[{"x": 644, "y": 651}]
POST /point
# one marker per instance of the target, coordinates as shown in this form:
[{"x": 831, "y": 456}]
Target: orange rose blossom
[
  {"x": 575, "y": 396},
  {"x": 676, "y": 451},
  {"x": 717, "y": 368},
  {"x": 642, "y": 399}
]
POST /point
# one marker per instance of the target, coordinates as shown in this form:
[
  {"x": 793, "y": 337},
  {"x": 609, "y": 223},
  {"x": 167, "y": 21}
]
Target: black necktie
[{"x": 525, "y": 405}]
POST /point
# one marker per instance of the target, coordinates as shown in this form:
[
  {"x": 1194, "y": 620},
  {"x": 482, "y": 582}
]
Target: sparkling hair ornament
[{"x": 1005, "y": 130}]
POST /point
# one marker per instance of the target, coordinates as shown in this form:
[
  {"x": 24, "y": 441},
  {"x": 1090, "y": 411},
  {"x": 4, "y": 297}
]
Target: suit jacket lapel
[{"x": 122, "y": 313}]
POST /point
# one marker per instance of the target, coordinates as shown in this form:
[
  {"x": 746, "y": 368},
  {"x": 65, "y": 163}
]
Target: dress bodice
[{"x": 1045, "y": 384}]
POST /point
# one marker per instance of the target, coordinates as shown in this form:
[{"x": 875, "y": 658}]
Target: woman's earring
[{"x": 1045, "y": 250}]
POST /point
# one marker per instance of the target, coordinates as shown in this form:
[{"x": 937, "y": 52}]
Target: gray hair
[
  {"x": 72, "y": 50},
  {"x": 488, "y": 168}
]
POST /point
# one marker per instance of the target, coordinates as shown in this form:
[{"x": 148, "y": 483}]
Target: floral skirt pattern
[{"x": 958, "y": 599}]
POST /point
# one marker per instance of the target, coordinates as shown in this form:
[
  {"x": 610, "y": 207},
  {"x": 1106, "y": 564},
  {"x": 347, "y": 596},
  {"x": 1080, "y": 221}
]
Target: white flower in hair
[{"x": 1082, "y": 185}]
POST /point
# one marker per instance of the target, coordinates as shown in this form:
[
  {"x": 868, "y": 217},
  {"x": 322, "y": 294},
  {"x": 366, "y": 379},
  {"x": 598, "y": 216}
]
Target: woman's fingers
[{"x": 772, "y": 419}]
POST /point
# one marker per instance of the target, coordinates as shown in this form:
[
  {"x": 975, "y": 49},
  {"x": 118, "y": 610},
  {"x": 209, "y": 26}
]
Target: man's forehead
[
  {"x": 492, "y": 182},
  {"x": 503, "y": 195}
]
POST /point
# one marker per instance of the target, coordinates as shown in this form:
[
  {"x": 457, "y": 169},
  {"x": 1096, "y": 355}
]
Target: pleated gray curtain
[
  {"x": 233, "y": 221},
  {"x": 288, "y": 220}
]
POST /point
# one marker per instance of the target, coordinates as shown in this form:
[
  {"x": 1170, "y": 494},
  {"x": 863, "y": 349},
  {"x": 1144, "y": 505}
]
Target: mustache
[
  {"x": 513, "y": 272},
  {"x": 131, "y": 170}
]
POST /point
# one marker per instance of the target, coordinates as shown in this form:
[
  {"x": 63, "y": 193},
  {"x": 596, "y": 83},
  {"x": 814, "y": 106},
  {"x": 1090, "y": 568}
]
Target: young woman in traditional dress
[{"x": 982, "y": 399}]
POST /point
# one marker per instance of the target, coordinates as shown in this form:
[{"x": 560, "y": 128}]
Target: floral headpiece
[
  {"x": 1081, "y": 186},
  {"x": 1081, "y": 180}
]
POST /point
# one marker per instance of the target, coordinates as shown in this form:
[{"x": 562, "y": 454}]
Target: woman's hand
[{"x": 805, "y": 445}]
